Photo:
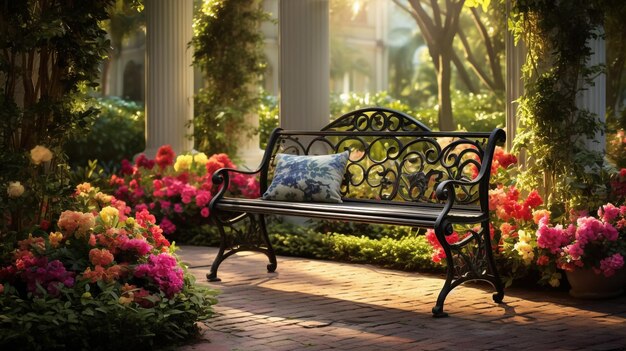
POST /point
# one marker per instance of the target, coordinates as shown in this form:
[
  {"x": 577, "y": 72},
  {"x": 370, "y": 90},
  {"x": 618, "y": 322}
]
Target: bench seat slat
[{"x": 386, "y": 213}]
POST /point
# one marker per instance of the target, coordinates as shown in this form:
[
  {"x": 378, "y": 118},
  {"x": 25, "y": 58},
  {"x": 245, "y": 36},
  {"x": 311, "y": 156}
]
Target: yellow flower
[
  {"x": 55, "y": 238},
  {"x": 523, "y": 236},
  {"x": 108, "y": 214},
  {"x": 200, "y": 158},
  {"x": 15, "y": 189},
  {"x": 130, "y": 222},
  {"x": 525, "y": 250},
  {"x": 86, "y": 295},
  {"x": 183, "y": 162},
  {"x": 103, "y": 198},
  {"x": 40, "y": 154}
]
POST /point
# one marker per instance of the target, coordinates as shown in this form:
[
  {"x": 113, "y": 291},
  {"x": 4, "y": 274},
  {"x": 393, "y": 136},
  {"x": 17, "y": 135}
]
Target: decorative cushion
[{"x": 308, "y": 178}]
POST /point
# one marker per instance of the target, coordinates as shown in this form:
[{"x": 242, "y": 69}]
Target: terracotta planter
[{"x": 586, "y": 284}]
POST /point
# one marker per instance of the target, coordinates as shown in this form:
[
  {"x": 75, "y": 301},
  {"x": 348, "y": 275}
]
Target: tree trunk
[{"x": 446, "y": 119}]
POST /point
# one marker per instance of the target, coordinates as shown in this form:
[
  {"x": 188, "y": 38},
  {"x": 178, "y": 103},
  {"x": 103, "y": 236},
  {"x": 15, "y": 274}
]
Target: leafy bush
[
  {"x": 50, "y": 52},
  {"x": 99, "y": 280},
  {"x": 401, "y": 249},
  {"x": 228, "y": 49},
  {"x": 117, "y": 134}
]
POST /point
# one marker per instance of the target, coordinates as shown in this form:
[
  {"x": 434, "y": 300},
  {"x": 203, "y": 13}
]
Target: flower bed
[
  {"x": 176, "y": 189},
  {"x": 527, "y": 238},
  {"x": 100, "y": 280}
]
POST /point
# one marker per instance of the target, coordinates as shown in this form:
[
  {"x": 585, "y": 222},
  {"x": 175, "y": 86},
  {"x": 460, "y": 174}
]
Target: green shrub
[
  {"x": 77, "y": 320},
  {"x": 118, "y": 133}
]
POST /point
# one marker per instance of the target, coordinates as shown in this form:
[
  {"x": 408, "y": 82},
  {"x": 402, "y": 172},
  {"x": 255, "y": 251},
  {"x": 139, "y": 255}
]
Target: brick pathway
[{"x": 321, "y": 305}]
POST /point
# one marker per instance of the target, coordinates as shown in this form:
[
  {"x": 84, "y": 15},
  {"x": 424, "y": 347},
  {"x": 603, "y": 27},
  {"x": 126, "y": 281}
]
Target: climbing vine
[
  {"x": 556, "y": 133},
  {"x": 228, "y": 49}
]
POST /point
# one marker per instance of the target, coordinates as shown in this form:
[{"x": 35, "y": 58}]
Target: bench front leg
[{"x": 245, "y": 232}]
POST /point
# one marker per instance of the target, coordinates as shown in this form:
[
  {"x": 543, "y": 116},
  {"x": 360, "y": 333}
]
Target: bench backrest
[{"x": 394, "y": 157}]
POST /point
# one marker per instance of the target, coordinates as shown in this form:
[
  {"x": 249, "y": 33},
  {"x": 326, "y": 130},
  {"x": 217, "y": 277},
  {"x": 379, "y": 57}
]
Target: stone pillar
[
  {"x": 515, "y": 58},
  {"x": 304, "y": 64},
  {"x": 169, "y": 75},
  {"x": 593, "y": 97},
  {"x": 249, "y": 152}
]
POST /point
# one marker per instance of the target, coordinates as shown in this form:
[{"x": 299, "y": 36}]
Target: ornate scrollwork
[
  {"x": 375, "y": 119},
  {"x": 469, "y": 257},
  {"x": 395, "y": 166},
  {"x": 242, "y": 231}
]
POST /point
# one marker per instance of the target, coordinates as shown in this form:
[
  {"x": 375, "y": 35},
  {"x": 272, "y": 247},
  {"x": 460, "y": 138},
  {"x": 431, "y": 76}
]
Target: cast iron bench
[{"x": 399, "y": 173}]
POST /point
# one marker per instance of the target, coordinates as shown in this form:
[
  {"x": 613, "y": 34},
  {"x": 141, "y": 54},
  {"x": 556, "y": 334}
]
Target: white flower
[
  {"x": 15, "y": 189},
  {"x": 40, "y": 154}
]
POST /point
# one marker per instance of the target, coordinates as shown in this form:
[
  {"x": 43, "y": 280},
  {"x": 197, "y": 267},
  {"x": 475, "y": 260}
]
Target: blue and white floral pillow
[{"x": 308, "y": 178}]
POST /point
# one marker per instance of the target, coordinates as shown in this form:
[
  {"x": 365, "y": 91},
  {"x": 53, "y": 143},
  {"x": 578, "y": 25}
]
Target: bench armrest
[
  {"x": 445, "y": 190},
  {"x": 222, "y": 176}
]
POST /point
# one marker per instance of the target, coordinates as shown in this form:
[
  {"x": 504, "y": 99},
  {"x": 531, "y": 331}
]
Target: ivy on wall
[{"x": 555, "y": 132}]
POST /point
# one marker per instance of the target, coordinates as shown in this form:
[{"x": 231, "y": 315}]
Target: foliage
[
  {"x": 98, "y": 280},
  {"x": 444, "y": 31},
  {"x": 118, "y": 133},
  {"x": 474, "y": 112},
  {"x": 555, "y": 132},
  {"x": 50, "y": 53},
  {"x": 401, "y": 250},
  {"x": 228, "y": 49},
  {"x": 177, "y": 189}
]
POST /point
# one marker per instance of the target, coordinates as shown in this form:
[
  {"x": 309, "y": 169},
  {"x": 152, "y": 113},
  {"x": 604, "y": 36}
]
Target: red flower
[
  {"x": 533, "y": 200},
  {"x": 165, "y": 156}
]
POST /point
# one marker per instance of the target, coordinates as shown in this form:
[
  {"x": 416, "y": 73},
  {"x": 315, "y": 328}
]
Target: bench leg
[
  {"x": 246, "y": 232},
  {"x": 469, "y": 259}
]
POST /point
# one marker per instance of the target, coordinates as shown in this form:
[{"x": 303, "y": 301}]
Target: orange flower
[{"x": 102, "y": 257}]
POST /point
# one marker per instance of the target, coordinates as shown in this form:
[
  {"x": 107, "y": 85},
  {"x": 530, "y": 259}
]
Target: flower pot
[{"x": 586, "y": 284}]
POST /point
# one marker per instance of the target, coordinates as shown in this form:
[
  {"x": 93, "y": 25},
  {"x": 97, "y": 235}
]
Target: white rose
[
  {"x": 15, "y": 189},
  {"x": 40, "y": 154}
]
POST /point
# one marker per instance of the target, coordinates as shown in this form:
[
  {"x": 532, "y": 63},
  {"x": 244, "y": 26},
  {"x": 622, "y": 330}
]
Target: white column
[
  {"x": 169, "y": 75},
  {"x": 515, "y": 57},
  {"x": 304, "y": 64},
  {"x": 593, "y": 97}
]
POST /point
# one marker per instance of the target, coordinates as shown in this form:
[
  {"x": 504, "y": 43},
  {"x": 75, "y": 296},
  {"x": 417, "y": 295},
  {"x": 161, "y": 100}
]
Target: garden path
[{"x": 321, "y": 305}]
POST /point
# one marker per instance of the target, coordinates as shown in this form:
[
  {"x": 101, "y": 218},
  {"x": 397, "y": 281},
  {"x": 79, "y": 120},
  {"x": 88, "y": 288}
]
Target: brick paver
[{"x": 321, "y": 305}]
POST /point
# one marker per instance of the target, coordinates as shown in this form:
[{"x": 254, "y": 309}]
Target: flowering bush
[
  {"x": 588, "y": 242},
  {"x": 101, "y": 275},
  {"x": 525, "y": 238},
  {"x": 177, "y": 189}
]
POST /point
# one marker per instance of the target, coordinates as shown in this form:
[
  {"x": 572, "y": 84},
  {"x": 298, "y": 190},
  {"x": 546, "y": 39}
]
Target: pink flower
[
  {"x": 551, "y": 238},
  {"x": 139, "y": 246},
  {"x": 608, "y": 212},
  {"x": 609, "y": 265},
  {"x": 203, "y": 197},
  {"x": 52, "y": 276},
  {"x": 162, "y": 270},
  {"x": 167, "y": 226},
  {"x": 178, "y": 208},
  {"x": 204, "y": 212}
]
